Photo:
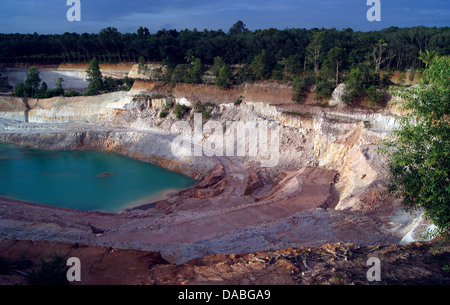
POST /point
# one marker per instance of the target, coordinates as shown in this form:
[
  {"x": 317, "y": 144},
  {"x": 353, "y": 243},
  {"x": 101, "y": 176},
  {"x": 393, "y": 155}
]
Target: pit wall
[
  {"x": 339, "y": 140},
  {"x": 64, "y": 109}
]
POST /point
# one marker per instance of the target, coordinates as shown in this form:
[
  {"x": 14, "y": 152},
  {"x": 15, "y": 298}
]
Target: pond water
[{"x": 83, "y": 180}]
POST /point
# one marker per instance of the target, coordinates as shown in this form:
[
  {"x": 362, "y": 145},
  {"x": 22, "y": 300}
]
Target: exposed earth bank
[
  {"x": 329, "y": 264},
  {"x": 327, "y": 186}
]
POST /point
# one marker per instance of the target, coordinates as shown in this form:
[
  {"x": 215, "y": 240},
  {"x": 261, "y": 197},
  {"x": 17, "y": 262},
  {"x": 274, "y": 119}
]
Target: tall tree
[
  {"x": 336, "y": 57},
  {"x": 298, "y": 89},
  {"x": 94, "y": 77},
  {"x": 419, "y": 151},
  {"x": 238, "y": 27},
  {"x": 224, "y": 78},
  {"x": 378, "y": 54},
  {"x": 142, "y": 68},
  {"x": 195, "y": 71},
  {"x": 260, "y": 66},
  {"x": 292, "y": 65},
  {"x": 218, "y": 64},
  {"x": 315, "y": 49},
  {"x": 33, "y": 81}
]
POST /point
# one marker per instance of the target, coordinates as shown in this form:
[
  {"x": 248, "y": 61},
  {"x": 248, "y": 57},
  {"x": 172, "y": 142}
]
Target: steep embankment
[{"x": 327, "y": 185}]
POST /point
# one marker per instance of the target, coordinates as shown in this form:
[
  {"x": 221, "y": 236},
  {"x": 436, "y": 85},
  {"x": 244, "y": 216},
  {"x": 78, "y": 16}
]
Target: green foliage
[
  {"x": 224, "y": 78},
  {"x": 30, "y": 87},
  {"x": 333, "y": 65},
  {"x": 239, "y": 100},
  {"x": 244, "y": 74},
  {"x": 324, "y": 89},
  {"x": 163, "y": 114},
  {"x": 33, "y": 88},
  {"x": 51, "y": 272},
  {"x": 99, "y": 84},
  {"x": 71, "y": 93},
  {"x": 260, "y": 66},
  {"x": 109, "y": 84},
  {"x": 195, "y": 72},
  {"x": 180, "y": 110},
  {"x": 41, "y": 93},
  {"x": 218, "y": 64},
  {"x": 419, "y": 151},
  {"x": 205, "y": 109},
  {"x": 179, "y": 74},
  {"x": 255, "y": 55},
  {"x": 298, "y": 89},
  {"x": 315, "y": 49},
  {"x": 291, "y": 66},
  {"x": 362, "y": 83},
  {"x": 94, "y": 77},
  {"x": 127, "y": 83},
  {"x": 237, "y": 46},
  {"x": 237, "y": 28},
  {"x": 142, "y": 68},
  {"x": 169, "y": 104},
  {"x": 373, "y": 96},
  {"x": 59, "y": 87},
  {"x": 32, "y": 82}
]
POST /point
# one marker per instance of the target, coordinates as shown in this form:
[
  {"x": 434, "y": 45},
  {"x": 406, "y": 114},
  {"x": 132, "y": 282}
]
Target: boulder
[{"x": 336, "y": 97}]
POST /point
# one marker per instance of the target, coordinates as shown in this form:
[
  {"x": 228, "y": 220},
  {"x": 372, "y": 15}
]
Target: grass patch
[{"x": 51, "y": 272}]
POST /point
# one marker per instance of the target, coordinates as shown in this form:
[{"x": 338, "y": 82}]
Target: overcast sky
[{"x": 49, "y": 16}]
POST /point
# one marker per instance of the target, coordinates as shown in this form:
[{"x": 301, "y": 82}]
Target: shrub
[
  {"x": 373, "y": 96},
  {"x": 52, "y": 272},
  {"x": 238, "y": 101},
  {"x": 180, "y": 110},
  {"x": 71, "y": 93},
  {"x": 362, "y": 83},
  {"x": 325, "y": 89},
  {"x": 419, "y": 151},
  {"x": 298, "y": 90},
  {"x": 224, "y": 79},
  {"x": 203, "y": 109}
]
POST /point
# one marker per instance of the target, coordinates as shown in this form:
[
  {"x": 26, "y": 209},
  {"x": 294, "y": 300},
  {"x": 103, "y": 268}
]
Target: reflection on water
[{"x": 84, "y": 180}]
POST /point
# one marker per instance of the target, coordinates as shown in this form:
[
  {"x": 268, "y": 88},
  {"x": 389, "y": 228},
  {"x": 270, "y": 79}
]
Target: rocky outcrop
[{"x": 336, "y": 97}]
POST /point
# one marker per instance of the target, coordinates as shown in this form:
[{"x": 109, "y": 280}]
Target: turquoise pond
[{"x": 83, "y": 180}]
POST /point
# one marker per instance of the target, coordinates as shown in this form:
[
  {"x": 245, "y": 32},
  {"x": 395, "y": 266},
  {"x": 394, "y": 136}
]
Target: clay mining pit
[{"x": 327, "y": 187}]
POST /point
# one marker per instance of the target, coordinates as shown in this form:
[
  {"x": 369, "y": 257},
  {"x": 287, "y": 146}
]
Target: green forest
[
  {"x": 301, "y": 57},
  {"x": 237, "y": 46}
]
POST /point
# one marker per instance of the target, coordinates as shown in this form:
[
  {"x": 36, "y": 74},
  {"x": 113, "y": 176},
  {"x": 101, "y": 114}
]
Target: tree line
[
  {"x": 237, "y": 46},
  {"x": 314, "y": 58}
]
